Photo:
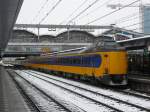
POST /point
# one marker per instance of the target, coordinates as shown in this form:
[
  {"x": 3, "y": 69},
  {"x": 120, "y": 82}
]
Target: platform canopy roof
[{"x": 9, "y": 10}]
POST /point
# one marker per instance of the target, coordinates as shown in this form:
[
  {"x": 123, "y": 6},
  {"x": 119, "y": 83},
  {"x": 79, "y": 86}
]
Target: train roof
[{"x": 76, "y": 50}]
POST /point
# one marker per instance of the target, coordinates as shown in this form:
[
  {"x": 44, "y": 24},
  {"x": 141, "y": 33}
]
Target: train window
[
  {"x": 61, "y": 61},
  {"x": 83, "y": 61},
  {"x": 78, "y": 60},
  {"x": 86, "y": 61},
  {"x": 70, "y": 61},
  {"x": 57, "y": 61},
  {"x": 74, "y": 61},
  {"x": 65, "y": 60}
]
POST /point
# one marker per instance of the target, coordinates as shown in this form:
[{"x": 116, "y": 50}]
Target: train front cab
[{"x": 114, "y": 68}]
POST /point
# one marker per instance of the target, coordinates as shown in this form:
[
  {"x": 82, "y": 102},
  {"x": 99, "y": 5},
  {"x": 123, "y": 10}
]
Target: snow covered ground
[
  {"x": 81, "y": 102},
  {"x": 44, "y": 104}
]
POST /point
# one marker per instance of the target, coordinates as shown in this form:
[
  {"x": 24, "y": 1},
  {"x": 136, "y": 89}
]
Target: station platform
[
  {"x": 139, "y": 82},
  {"x": 10, "y": 98},
  {"x": 139, "y": 78}
]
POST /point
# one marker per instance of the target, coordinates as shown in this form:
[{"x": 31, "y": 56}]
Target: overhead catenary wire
[
  {"x": 52, "y": 9},
  {"x": 126, "y": 18},
  {"x": 84, "y": 10},
  {"x": 89, "y": 6},
  {"x": 97, "y": 8},
  {"x": 139, "y": 28},
  {"x": 148, "y": 20},
  {"x": 84, "y": 2},
  {"x": 108, "y": 14},
  {"x": 138, "y": 23},
  {"x": 131, "y": 25},
  {"x": 38, "y": 13}
]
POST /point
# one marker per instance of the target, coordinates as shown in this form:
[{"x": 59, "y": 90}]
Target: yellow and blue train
[{"x": 107, "y": 66}]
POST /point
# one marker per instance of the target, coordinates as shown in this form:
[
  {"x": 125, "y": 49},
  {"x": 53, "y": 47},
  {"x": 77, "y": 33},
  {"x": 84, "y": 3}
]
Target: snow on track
[
  {"x": 113, "y": 103},
  {"x": 65, "y": 95},
  {"x": 128, "y": 98},
  {"x": 46, "y": 105}
]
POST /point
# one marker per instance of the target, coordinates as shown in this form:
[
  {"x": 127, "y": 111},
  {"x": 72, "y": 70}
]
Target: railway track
[
  {"x": 122, "y": 91},
  {"x": 140, "y": 83},
  {"x": 134, "y": 93},
  {"x": 84, "y": 92},
  {"x": 57, "y": 105},
  {"x": 30, "y": 102},
  {"x": 142, "y": 92},
  {"x": 109, "y": 109}
]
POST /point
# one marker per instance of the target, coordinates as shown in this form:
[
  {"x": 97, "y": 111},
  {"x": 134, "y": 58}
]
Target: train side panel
[
  {"x": 113, "y": 65},
  {"x": 70, "y": 69}
]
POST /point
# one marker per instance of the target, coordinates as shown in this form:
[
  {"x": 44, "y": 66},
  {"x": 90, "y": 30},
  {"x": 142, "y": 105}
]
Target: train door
[
  {"x": 93, "y": 65},
  {"x": 106, "y": 64}
]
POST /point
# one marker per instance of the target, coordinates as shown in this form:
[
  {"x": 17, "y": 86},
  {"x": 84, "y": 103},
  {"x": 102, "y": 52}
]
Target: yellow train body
[{"x": 113, "y": 63}]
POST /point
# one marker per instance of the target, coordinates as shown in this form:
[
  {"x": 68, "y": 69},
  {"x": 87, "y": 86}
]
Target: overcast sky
[{"x": 33, "y": 11}]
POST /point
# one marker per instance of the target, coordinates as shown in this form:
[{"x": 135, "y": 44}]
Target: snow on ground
[
  {"x": 128, "y": 98},
  {"x": 44, "y": 104},
  {"x": 120, "y": 106},
  {"x": 65, "y": 95}
]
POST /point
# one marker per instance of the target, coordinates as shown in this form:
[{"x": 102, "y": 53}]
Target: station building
[{"x": 70, "y": 39}]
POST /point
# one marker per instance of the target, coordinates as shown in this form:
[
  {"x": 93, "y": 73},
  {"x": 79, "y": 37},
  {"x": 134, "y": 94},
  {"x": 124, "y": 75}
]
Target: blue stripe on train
[{"x": 82, "y": 61}]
